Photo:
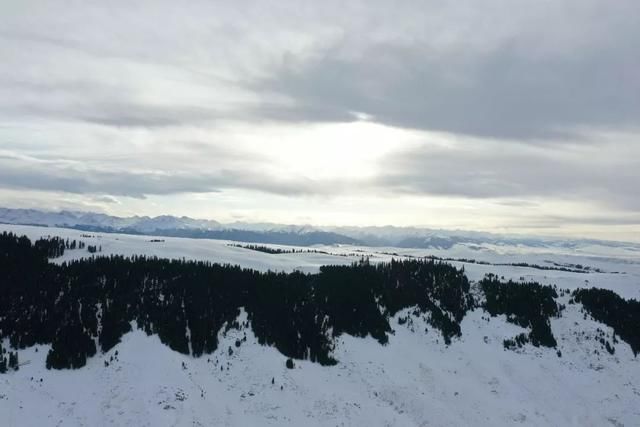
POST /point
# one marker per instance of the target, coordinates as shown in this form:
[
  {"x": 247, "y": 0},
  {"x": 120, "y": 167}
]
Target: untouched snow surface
[{"x": 415, "y": 380}]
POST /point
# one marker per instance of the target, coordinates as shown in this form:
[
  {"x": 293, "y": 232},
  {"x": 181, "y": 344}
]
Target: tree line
[
  {"x": 529, "y": 305},
  {"x": 609, "y": 308},
  {"x": 83, "y": 307},
  {"x": 79, "y": 303}
]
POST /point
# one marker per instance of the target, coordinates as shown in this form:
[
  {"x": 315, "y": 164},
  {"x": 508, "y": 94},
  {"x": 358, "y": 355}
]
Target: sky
[{"x": 502, "y": 115}]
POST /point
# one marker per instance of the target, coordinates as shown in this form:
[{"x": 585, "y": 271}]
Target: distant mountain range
[{"x": 171, "y": 226}]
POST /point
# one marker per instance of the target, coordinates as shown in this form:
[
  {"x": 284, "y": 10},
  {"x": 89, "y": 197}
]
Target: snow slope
[
  {"x": 415, "y": 380},
  {"x": 220, "y": 251},
  {"x": 621, "y": 270}
]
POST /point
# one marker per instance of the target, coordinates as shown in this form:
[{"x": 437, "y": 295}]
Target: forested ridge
[
  {"x": 529, "y": 305},
  {"x": 609, "y": 308},
  {"x": 83, "y": 307}
]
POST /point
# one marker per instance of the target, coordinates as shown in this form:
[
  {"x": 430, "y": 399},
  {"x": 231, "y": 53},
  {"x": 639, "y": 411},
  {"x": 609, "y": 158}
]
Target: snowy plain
[{"x": 415, "y": 380}]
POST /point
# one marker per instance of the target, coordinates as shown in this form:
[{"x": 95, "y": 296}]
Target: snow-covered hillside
[
  {"x": 621, "y": 269},
  {"x": 414, "y": 380}
]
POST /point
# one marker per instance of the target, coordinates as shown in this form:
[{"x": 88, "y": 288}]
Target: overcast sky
[{"x": 500, "y": 115}]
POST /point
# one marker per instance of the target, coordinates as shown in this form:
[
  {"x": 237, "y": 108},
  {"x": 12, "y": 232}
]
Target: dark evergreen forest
[
  {"x": 529, "y": 305},
  {"x": 609, "y": 308},
  {"x": 85, "y": 306}
]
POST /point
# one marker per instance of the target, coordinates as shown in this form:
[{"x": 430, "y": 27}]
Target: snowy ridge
[
  {"x": 74, "y": 219},
  {"x": 414, "y": 380}
]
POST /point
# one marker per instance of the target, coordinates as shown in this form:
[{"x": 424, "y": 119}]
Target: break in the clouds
[{"x": 492, "y": 115}]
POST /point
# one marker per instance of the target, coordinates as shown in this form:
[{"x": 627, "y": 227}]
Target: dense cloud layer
[
  {"x": 480, "y": 169},
  {"x": 515, "y": 105}
]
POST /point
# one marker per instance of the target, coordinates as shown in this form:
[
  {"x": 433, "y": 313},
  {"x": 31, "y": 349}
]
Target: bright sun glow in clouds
[{"x": 352, "y": 150}]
